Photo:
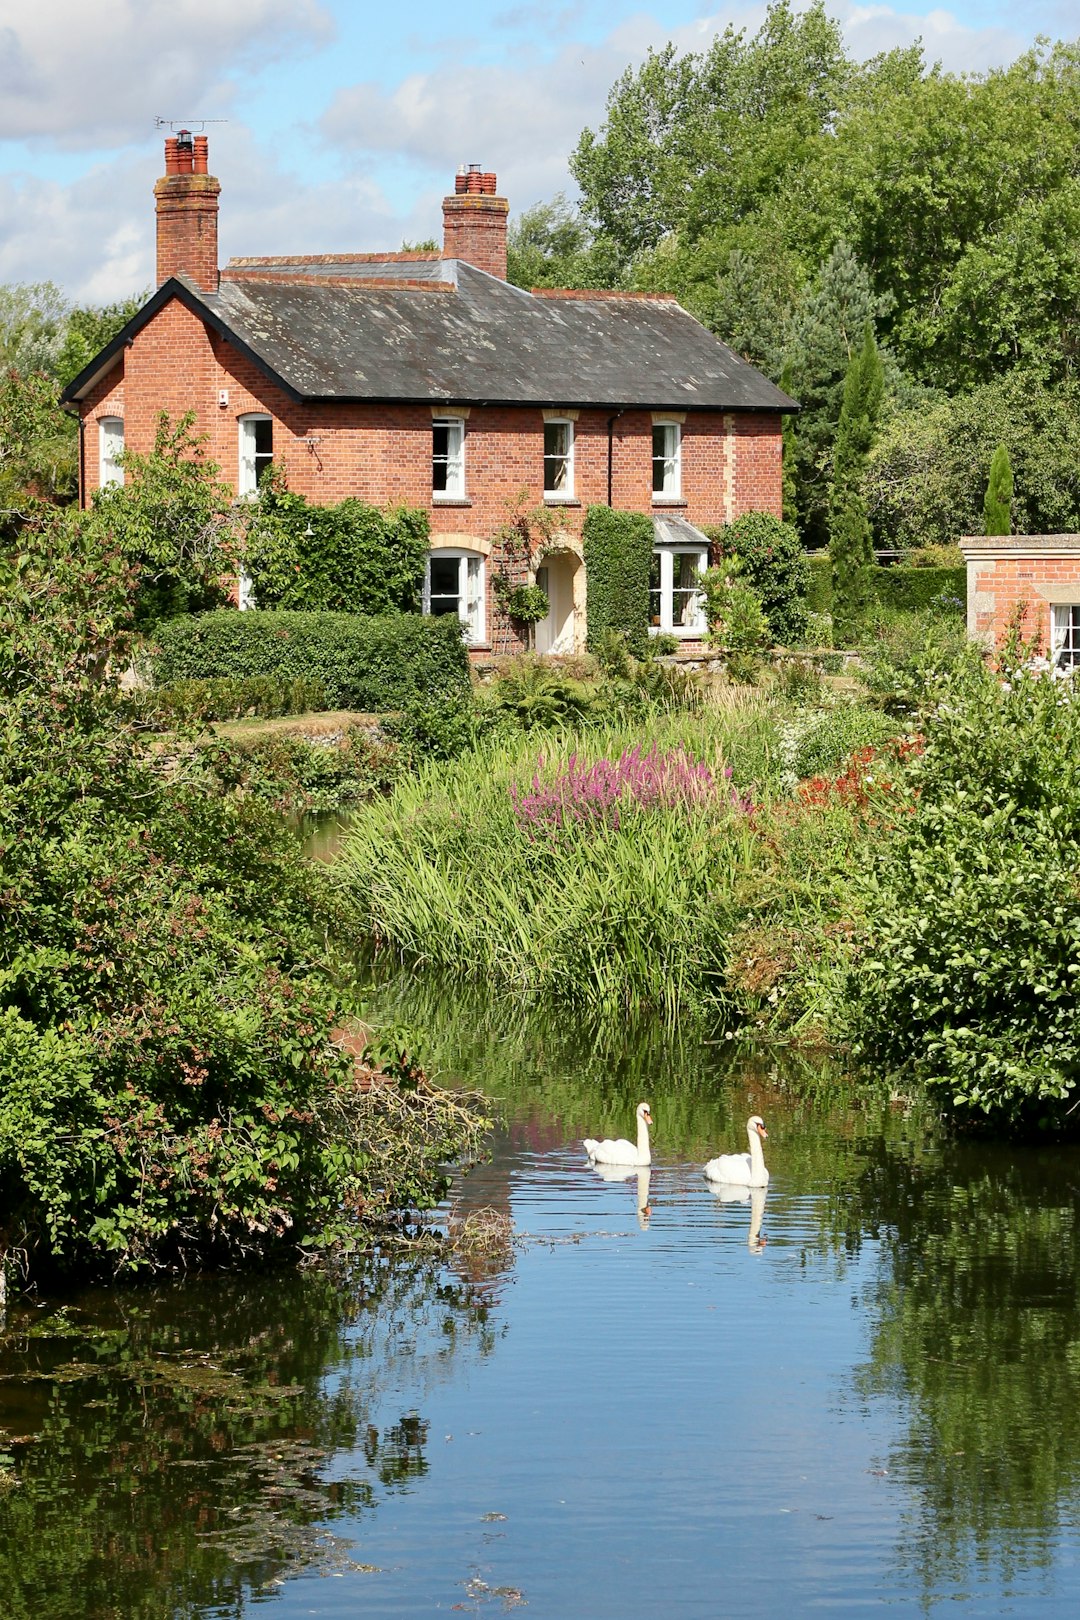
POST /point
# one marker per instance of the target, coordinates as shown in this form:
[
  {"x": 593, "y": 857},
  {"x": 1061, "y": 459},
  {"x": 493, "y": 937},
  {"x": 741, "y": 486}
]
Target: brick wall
[{"x": 1001, "y": 588}]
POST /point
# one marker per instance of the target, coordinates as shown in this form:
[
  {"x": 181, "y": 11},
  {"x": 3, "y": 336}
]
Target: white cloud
[{"x": 96, "y": 75}]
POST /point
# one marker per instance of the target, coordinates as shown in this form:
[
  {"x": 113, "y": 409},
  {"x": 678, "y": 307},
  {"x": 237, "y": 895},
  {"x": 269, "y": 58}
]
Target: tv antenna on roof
[{"x": 189, "y": 124}]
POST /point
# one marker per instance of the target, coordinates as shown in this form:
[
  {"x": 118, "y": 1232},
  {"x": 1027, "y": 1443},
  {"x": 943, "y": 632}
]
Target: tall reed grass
[{"x": 614, "y": 913}]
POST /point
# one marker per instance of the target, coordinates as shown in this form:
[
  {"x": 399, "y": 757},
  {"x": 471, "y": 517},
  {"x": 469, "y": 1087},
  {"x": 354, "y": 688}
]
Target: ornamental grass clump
[{"x": 582, "y": 794}]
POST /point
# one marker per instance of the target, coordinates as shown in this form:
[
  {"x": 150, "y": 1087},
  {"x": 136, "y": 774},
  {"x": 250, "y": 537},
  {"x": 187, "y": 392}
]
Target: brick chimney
[
  {"x": 187, "y": 213},
  {"x": 474, "y": 222}
]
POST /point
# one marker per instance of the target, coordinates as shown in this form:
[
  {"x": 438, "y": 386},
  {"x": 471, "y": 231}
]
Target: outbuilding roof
[{"x": 412, "y": 328}]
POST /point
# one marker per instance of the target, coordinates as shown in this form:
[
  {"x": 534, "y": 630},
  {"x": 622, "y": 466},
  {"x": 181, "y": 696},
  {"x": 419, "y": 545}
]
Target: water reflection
[
  {"x": 640, "y": 1174},
  {"x": 725, "y": 1193},
  {"x": 172, "y": 1447}
]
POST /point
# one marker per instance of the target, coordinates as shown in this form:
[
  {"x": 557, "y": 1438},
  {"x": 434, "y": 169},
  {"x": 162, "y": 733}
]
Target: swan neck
[
  {"x": 757, "y": 1153},
  {"x": 643, "y": 1141}
]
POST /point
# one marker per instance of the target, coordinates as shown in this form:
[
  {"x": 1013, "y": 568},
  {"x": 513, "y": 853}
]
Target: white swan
[
  {"x": 743, "y": 1169},
  {"x": 622, "y": 1151}
]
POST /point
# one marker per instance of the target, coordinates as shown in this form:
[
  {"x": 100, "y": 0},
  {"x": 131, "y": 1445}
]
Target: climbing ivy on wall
[
  {"x": 348, "y": 558},
  {"x": 618, "y": 549}
]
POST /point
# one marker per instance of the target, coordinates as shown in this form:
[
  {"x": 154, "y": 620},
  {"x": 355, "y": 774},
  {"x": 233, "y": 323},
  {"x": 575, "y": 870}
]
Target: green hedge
[
  {"x": 618, "y": 548},
  {"x": 348, "y": 558},
  {"x": 366, "y": 663},
  {"x": 231, "y": 697},
  {"x": 909, "y": 589}
]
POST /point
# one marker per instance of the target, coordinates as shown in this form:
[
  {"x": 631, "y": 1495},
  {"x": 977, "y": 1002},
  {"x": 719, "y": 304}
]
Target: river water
[{"x": 631, "y": 1400}]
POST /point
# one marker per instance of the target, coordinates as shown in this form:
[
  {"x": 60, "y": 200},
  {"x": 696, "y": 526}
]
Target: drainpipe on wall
[
  {"x": 611, "y": 421},
  {"x": 82, "y": 461}
]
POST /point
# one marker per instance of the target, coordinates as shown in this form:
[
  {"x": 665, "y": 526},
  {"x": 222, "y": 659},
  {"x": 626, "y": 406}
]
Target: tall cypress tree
[
  {"x": 850, "y": 544},
  {"x": 997, "y": 502}
]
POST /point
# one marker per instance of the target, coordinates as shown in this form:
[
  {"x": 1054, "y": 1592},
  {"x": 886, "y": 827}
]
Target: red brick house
[{"x": 427, "y": 379}]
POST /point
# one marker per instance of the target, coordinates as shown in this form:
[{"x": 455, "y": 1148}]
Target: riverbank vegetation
[{"x": 174, "y": 1090}]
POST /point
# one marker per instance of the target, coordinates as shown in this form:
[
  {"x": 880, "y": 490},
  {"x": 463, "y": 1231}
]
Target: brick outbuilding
[
  {"x": 1030, "y": 581},
  {"x": 427, "y": 379}
]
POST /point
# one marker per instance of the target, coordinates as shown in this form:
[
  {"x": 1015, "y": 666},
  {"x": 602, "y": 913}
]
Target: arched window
[{"x": 454, "y": 583}]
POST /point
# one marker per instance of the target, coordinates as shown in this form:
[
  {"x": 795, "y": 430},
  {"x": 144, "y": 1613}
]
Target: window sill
[
  {"x": 450, "y": 500},
  {"x": 669, "y": 500},
  {"x": 560, "y": 500}
]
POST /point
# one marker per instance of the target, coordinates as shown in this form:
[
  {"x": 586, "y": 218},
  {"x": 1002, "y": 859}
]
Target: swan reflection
[
  {"x": 624, "y": 1172},
  {"x": 729, "y": 1193}
]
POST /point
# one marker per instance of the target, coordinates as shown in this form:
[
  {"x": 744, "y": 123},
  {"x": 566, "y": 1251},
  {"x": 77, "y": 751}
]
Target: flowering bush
[{"x": 598, "y": 793}]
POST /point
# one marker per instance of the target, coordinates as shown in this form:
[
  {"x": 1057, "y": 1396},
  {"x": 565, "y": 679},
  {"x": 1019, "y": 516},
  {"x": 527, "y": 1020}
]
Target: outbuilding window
[
  {"x": 676, "y": 603},
  {"x": 110, "y": 448},
  {"x": 1065, "y": 640},
  {"x": 256, "y": 452},
  {"x": 454, "y": 583},
  {"x": 559, "y": 459},
  {"x": 667, "y": 461},
  {"x": 448, "y": 457}
]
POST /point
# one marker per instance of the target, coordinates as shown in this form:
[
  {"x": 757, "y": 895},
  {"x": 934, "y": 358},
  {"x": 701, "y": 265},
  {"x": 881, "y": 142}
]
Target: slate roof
[{"x": 416, "y": 329}]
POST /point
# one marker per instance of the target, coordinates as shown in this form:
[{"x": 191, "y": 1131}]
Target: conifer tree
[
  {"x": 997, "y": 503},
  {"x": 849, "y": 527}
]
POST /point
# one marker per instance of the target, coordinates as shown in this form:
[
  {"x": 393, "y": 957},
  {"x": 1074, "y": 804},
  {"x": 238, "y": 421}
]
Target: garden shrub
[
  {"x": 303, "y": 774},
  {"x": 831, "y": 736},
  {"x": 366, "y": 664},
  {"x": 912, "y": 590},
  {"x": 774, "y": 565},
  {"x": 618, "y": 548},
  {"x": 969, "y": 968},
  {"x": 733, "y": 609},
  {"x": 819, "y": 582},
  {"x": 344, "y": 558}
]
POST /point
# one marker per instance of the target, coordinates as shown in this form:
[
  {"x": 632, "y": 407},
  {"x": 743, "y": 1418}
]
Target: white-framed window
[
  {"x": 448, "y": 457},
  {"x": 559, "y": 459},
  {"x": 667, "y": 461},
  {"x": 1065, "y": 637},
  {"x": 110, "y": 446},
  {"x": 676, "y": 603},
  {"x": 454, "y": 583},
  {"x": 256, "y": 452}
]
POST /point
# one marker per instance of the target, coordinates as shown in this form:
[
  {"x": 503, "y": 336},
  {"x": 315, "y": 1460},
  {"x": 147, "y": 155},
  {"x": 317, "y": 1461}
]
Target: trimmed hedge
[
  {"x": 230, "y": 697},
  {"x": 908, "y": 589},
  {"x": 618, "y": 548},
  {"x": 916, "y": 588},
  {"x": 366, "y": 663}
]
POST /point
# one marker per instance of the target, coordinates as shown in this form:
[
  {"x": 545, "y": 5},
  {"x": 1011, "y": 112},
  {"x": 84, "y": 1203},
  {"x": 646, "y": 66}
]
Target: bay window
[{"x": 676, "y": 603}]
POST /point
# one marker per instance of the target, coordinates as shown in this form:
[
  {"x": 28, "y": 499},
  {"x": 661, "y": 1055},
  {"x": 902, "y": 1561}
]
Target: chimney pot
[
  {"x": 474, "y": 221},
  {"x": 187, "y": 213},
  {"x": 202, "y": 154}
]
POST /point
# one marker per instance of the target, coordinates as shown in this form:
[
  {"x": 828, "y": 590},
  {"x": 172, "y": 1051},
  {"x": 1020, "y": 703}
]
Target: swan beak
[{"x": 762, "y": 1132}]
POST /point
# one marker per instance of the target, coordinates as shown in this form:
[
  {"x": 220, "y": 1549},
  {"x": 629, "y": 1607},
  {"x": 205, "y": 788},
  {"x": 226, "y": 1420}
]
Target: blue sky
[{"x": 336, "y": 125}]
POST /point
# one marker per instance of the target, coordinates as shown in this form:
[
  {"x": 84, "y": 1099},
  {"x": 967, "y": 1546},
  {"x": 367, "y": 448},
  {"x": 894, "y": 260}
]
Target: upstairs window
[
  {"x": 559, "y": 459},
  {"x": 676, "y": 603},
  {"x": 454, "y": 583},
  {"x": 110, "y": 447},
  {"x": 256, "y": 452},
  {"x": 448, "y": 457},
  {"x": 667, "y": 461}
]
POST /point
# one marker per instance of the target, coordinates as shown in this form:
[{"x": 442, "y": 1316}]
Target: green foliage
[
  {"x": 229, "y": 697},
  {"x": 173, "y": 520},
  {"x": 914, "y": 590},
  {"x": 438, "y": 726},
  {"x": 968, "y": 973},
  {"x": 997, "y": 502},
  {"x": 926, "y": 476},
  {"x": 302, "y": 774},
  {"x": 618, "y": 548},
  {"x": 348, "y": 558},
  {"x": 367, "y": 664},
  {"x": 773, "y": 563},
  {"x": 169, "y": 1089},
  {"x": 733, "y": 609},
  {"x": 550, "y": 245},
  {"x": 850, "y": 546},
  {"x": 39, "y": 450},
  {"x": 830, "y": 737},
  {"x": 907, "y": 656},
  {"x": 819, "y": 586},
  {"x": 528, "y": 604}
]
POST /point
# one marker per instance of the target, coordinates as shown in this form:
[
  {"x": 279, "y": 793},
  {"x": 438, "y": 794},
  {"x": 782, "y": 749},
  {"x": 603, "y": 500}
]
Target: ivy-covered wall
[
  {"x": 348, "y": 558},
  {"x": 618, "y": 549}
]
